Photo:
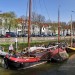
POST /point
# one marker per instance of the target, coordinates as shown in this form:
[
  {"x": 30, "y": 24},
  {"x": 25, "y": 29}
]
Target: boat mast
[
  {"x": 71, "y": 32},
  {"x": 29, "y": 23},
  {"x": 58, "y": 25},
  {"x": 58, "y": 28}
]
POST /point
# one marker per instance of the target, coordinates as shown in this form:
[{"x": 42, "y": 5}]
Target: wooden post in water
[{"x": 29, "y": 23}]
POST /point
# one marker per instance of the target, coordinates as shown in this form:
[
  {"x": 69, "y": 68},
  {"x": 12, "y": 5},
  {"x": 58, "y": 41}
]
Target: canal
[
  {"x": 43, "y": 69},
  {"x": 65, "y": 68}
]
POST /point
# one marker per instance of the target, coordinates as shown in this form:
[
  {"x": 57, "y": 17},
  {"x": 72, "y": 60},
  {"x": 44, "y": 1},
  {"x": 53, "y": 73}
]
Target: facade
[{"x": 35, "y": 29}]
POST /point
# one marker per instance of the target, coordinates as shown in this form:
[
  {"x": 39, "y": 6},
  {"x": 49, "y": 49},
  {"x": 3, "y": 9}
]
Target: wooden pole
[
  {"x": 58, "y": 26},
  {"x": 71, "y": 32},
  {"x": 29, "y": 23}
]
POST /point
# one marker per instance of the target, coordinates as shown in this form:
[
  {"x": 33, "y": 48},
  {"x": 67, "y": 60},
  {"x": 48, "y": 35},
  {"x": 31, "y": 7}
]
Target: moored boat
[
  {"x": 58, "y": 55},
  {"x": 19, "y": 62},
  {"x": 70, "y": 49},
  {"x": 40, "y": 52},
  {"x": 2, "y": 53}
]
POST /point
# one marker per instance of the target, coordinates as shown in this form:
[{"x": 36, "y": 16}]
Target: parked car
[
  {"x": 10, "y": 34},
  {"x": 68, "y": 34}
]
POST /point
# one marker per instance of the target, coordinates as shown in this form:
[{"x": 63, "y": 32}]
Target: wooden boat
[
  {"x": 40, "y": 52},
  {"x": 2, "y": 53},
  {"x": 13, "y": 62},
  {"x": 70, "y": 49},
  {"x": 34, "y": 57},
  {"x": 17, "y": 60},
  {"x": 58, "y": 54}
]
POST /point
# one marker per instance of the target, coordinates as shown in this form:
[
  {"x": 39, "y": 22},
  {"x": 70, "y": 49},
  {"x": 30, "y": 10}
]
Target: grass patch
[{"x": 23, "y": 45}]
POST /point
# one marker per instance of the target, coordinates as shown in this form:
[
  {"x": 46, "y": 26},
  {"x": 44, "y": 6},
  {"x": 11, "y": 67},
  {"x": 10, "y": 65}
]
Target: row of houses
[{"x": 36, "y": 28}]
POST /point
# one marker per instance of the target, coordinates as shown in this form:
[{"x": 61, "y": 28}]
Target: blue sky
[{"x": 47, "y": 8}]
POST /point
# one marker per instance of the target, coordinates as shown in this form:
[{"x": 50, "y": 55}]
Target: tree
[
  {"x": 54, "y": 27},
  {"x": 63, "y": 24},
  {"x": 15, "y": 24},
  {"x": 8, "y": 17},
  {"x": 12, "y": 20},
  {"x": 34, "y": 17},
  {"x": 0, "y": 23},
  {"x": 38, "y": 18}
]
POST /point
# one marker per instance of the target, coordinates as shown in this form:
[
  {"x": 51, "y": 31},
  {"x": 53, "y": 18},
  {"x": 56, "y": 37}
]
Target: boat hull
[
  {"x": 58, "y": 56},
  {"x": 9, "y": 62},
  {"x": 44, "y": 56},
  {"x": 3, "y": 54},
  {"x": 70, "y": 49}
]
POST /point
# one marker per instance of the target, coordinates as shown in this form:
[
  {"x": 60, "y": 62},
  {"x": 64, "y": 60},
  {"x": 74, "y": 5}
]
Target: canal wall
[{"x": 32, "y": 39}]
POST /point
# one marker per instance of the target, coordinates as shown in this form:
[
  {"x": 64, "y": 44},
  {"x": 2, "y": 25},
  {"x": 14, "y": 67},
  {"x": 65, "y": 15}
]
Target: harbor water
[
  {"x": 43, "y": 69},
  {"x": 64, "y": 68}
]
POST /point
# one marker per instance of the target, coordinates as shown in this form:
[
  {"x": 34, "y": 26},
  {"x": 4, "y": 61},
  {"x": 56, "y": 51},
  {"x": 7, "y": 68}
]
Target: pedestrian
[{"x": 11, "y": 48}]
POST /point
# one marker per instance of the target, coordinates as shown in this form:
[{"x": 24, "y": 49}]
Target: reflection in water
[{"x": 42, "y": 69}]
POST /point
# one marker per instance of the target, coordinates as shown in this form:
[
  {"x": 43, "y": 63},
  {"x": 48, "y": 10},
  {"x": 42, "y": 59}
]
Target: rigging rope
[{"x": 46, "y": 9}]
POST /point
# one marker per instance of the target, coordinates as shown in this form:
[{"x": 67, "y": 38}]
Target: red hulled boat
[
  {"x": 19, "y": 62},
  {"x": 58, "y": 55}
]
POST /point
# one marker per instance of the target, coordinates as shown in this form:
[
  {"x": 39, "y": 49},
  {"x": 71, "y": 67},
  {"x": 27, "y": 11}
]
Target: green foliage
[
  {"x": 9, "y": 18},
  {"x": 23, "y": 45}
]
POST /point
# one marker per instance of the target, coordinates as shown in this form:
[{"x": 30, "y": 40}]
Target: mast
[
  {"x": 58, "y": 25},
  {"x": 29, "y": 23},
  {"x": 58, "y": 28},
  {"x": 71, "y": 32}
]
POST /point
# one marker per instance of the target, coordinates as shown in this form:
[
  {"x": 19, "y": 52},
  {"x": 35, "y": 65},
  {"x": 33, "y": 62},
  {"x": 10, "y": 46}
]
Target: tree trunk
[
  {"x": 40, "y": 30},
  {"x": 63, "y": 32},
  {"x": 9, "y": 28}
]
